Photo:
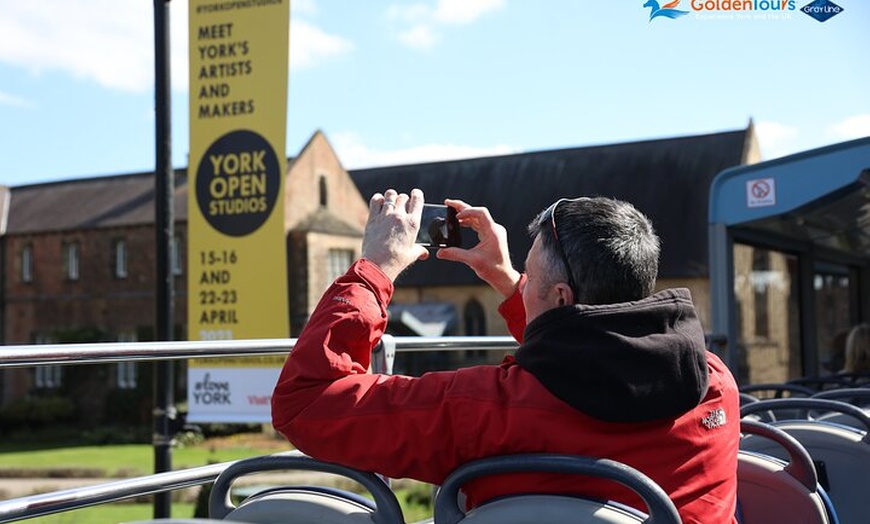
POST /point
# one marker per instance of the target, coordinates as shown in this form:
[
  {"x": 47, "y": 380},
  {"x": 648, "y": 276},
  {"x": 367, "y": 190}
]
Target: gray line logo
[{"x": 822, "y": 10}]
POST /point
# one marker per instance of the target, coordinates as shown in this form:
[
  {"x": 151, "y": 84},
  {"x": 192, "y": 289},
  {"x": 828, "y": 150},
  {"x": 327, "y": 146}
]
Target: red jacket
[{"x": 330, "y": 407}]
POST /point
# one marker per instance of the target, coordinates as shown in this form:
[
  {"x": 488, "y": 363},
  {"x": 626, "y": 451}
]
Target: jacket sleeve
[
  {"x": 330, "y": 407},
  {"x": 513, "y": 312}
]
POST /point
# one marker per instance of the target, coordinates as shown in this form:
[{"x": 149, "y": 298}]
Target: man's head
[{"x": 609, "y": 247}]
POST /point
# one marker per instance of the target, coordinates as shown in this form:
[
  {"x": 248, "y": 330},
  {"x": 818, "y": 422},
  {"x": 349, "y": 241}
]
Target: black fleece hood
[{"x": 629, "y": 362}]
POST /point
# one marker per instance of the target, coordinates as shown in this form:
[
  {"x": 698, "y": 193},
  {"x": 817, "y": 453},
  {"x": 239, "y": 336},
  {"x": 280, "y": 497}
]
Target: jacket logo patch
[{"x": 714, "y": 419}]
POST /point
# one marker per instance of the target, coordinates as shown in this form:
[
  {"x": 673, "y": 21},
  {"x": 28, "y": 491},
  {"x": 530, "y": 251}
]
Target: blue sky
[{"x": 394, "y": 82}]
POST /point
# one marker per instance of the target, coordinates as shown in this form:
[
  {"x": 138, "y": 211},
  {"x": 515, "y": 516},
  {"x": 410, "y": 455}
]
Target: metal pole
[
  {"x": 164, "y": 186},
  {"x": 30, "y": 355},
  {"x": 721, "y": 256}
]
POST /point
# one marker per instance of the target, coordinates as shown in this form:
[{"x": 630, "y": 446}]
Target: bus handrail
[
  {"x": 76, "y": 498},
  {"x": 108, "y": 352}
]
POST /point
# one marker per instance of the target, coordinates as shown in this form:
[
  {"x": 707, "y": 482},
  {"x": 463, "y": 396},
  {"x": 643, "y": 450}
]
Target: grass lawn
[
  {"x": 116, "y": 513},
  {"x": 111, "y": 514},
  {"x": 137, "y": 459},
  {"x": 124, "y": 460}
]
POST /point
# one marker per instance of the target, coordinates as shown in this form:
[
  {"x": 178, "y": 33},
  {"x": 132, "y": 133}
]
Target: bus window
[
  {"x": 832, "y": 290},
  {"x": 766, "y": 287}
]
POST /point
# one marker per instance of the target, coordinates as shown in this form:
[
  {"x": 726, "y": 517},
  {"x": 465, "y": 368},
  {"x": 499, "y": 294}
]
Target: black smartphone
[{"x": 438, "y": 227}]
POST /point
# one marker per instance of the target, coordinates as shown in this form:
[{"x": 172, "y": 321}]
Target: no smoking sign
[{"x": 761, "y": 192}]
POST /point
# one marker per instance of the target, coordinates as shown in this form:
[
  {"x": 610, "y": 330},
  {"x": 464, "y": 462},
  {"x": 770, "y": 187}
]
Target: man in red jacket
[{"x": 605, "y": 368}]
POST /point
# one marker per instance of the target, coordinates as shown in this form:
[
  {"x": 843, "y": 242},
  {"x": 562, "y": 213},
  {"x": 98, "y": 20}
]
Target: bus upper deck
[{"x": 789, "y": 247}]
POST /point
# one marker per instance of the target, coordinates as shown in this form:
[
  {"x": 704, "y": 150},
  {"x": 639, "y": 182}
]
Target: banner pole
[{"x": 164, "y": 186}]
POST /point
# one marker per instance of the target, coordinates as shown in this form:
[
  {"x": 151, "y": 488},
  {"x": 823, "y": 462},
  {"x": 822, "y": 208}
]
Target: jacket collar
[{"x": 628, "y": 362}]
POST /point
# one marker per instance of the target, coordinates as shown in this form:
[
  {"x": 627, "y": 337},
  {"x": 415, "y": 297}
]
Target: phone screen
[{"x": 438, "y": 227}]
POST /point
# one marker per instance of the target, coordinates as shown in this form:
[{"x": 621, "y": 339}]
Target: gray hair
[{"x": 611, "y": 249}]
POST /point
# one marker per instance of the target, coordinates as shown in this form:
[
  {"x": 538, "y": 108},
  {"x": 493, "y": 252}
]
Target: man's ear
[{"x": 565, "y": 294}]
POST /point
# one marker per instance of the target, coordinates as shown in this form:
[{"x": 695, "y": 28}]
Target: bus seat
[
  {"x": 551, "y": 508},
  {"x": 856, "y": 396},
  {"x": 183, "y": 521},
  {"x": 777, "y": 390},
  {"x": 746, "y": 398},
  {"x": 823, "y": 383},
  {"x": 841, "y": 454},
  {"x": 301, "y": 504},
  {"x": 774, "y": 390},
  {"x": 544, "y": 508},
  {"x": 321, "y": 504},
  {"x": 774, "y": 490}
]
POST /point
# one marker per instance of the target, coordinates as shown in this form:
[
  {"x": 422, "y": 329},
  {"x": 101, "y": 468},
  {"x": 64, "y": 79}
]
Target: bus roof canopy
[{"x": 820, "y": 196}]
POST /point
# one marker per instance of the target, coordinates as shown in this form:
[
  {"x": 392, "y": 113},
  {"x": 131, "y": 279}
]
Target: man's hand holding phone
[
  {"x": 439, "y": 227},
  {"x": 401, "y": 229},
  {"x": 490, "y": 257},
  {"x": 391, "y": 230}
]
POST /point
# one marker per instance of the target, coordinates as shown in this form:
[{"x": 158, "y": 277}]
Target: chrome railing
[
  {"x": 106, "y": 352},
  {"x": 69, "y": 499},
  {"x": 75, "y": 354}
]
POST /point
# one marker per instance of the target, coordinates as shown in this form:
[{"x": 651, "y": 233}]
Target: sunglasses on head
[{"x": 559, "y": 247}]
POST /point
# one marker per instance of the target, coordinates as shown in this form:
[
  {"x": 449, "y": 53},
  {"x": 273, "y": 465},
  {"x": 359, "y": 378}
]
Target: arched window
[
  {"x": 475, "y": 325},
  {"x": 475, "y": 319},
  {"x": 27, "y": 263},
  {"x": 322, "y": 191}
]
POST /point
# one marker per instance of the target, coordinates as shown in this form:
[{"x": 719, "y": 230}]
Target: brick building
[
  {"x": 79, "y": 266},
  {"x": 79, "y": 263}
]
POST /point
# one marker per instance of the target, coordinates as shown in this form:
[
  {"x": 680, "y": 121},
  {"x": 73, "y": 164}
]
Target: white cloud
[
  {"x": 409, "y": 13},
  {"x": 298, "y": 7},
  {"x": 106, "y": 41},
  {"x": 857, "y": 126},
  {"x": 419, "y": 37},
  {"x": 464, "y": 11},
  {"x": 424, "y": 20},
  {"x": 309, "y": 45},
  {"x": 776, "y": 139},
  {"x": 354, "y": 154},
  {"x": 13, "y": 101},
  {"x": 111, "y": 42}
]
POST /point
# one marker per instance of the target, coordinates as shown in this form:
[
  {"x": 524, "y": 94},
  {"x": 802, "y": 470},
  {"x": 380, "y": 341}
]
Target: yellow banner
[
  {"x": 256, "y": 361},
  {"x": 237, "y": 270}
]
